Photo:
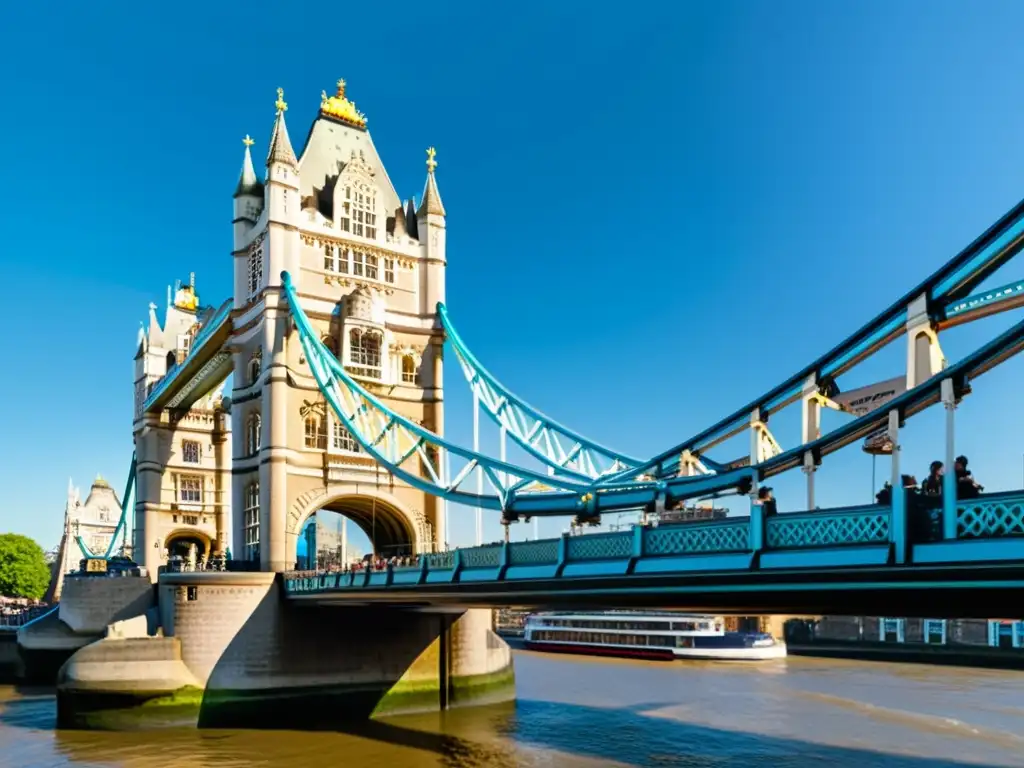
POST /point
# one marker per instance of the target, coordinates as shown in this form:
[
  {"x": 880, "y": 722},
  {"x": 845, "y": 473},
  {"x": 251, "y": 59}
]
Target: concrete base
[
  {"x": 45, "y": 644},
  {"x": 123, "y": 683}
]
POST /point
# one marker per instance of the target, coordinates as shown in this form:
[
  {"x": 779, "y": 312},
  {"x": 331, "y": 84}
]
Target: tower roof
[
  {"x": 248, "y": 184},
  {"x": 431, "y": 196},
  {"x": 339, "y": 108},
  {"x": 280, "y": 145}
]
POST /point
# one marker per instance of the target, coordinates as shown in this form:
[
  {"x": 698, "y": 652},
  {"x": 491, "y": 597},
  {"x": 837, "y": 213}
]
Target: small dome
[{"x": 359, "y": 304}]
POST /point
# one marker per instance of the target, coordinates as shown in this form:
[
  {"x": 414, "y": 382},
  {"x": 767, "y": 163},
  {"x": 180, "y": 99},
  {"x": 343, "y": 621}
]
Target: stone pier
[{"x": 229, "y": 651}]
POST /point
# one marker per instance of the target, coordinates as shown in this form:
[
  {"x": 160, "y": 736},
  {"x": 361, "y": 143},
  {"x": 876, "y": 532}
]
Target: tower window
[
  {"x": 408, "y": 369},
  {"x": 315, "y": 432},
  {"x": 371, "y": 266},
  {"x": 255, "y": 364},
  {"x": 255, "y": 269},
  {"x": 190, "y": 489},
  {"x": 358, "y": 263},
  {"x": 359, "y": 211},
  {"x": 389, "y": 270},
  {"x": 252, "y": 435},
  {"x": 342, "y": 439},
  {"x": 251, "y": 521},
  {"x": 329, "y": 258},
  {"x": 190, "y": 451},
  {"x": 364, "y": 353}
]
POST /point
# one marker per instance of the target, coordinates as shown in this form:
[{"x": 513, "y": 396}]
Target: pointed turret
[
  {"x": 155, "y": 331},
  {"x": 431, "y": 204},
  {"x": 280, "y": 145},
  {"x": 248, "y": 184},
  {"x": 430, "y": 227}
]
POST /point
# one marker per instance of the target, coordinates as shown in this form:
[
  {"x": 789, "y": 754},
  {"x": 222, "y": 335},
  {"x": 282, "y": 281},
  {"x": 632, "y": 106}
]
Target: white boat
[{"x": 645, "y": 635}]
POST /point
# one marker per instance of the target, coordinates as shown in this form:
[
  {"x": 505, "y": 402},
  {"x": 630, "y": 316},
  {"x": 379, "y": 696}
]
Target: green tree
[{"x": 23, "y": 569}]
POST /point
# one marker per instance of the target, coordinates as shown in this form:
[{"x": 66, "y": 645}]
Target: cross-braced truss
[
  {"x": 414, "y": 453},
  {"x": 566, "y": 452}
]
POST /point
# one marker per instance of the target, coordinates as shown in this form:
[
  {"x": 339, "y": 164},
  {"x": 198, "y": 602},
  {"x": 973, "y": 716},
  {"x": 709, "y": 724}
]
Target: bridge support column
[
  {"x": 896, "y": 479},
  {"x": 809, "y": 469},
  {"x": 949, "y": 478},
  {"x": 273, "y": 469},
  {"x": 924, "y": 355},
  {"x": 148, "y": 482}
]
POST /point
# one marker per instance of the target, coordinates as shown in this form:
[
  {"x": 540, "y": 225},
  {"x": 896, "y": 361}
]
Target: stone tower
[
  {"x": 369, "y": 271},
  {"x": 182, "y": 504}
]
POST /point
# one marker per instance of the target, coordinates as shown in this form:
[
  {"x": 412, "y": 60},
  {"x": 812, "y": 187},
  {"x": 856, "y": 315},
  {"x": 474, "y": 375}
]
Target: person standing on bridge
[
  {"x": 766, "y": 499},
  {"x": 966, "y": 486},
  {"x": 932, "y": 485}
]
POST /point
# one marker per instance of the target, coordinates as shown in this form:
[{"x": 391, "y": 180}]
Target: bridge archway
[
  {"x": 179, "y": 541},
  {"x": 391, "y": 527}
]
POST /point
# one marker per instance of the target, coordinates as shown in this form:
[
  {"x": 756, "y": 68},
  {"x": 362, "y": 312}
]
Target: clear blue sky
[{"x": 656, "y": 211}]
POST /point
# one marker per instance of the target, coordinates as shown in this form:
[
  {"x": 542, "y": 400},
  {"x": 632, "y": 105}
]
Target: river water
[{"x": 575, "y": 711}]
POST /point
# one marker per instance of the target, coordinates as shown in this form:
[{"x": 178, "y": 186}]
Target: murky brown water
[{"x": 575, "y": 712}]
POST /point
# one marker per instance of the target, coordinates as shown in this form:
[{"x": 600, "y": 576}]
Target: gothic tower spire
[
  {"x": 280, "y": 145},
  {"x": 248, "y": 184}
]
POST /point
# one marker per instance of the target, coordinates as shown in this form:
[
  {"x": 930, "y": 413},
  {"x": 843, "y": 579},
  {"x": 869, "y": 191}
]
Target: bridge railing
[{"x": 870, "y": 535}]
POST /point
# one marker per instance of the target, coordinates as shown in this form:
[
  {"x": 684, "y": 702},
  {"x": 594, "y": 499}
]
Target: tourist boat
[{"x": 645, "y": 635}]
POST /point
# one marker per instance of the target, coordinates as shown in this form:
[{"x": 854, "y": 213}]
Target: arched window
[
  {"x": 408, "y": 369},
  {"x": 364, "y": 353},
  {"x": 359, "y": 210},
  {"x": 251, "y": 520},
  {"x": 254, "y": 368},
  {"x": 252, "y": 435},
  {"x": 315, "y": 431},
  {"x": 172, "y": 360}
]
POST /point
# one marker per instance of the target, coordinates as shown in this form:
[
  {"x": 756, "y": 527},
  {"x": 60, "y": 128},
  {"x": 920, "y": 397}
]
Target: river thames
[{"x": 576, "y": 711}]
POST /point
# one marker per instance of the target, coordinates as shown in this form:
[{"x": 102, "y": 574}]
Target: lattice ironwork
[
  {"x": 688, "y": 538},
  {"x": 601, "y": 546},
  {"x": 533, "y": 552},
  {"x": 440, "y": 560},
  {"x": 985, "y": 518},
  {"x": 868, "y": 526},
  {"x": 482, "y": 557}
]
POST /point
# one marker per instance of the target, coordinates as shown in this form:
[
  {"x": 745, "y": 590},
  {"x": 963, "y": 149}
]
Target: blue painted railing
[{"x": 988, "y": 528}]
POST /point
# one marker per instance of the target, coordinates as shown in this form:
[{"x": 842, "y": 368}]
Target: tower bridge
[{"x": 333, "y": 344}]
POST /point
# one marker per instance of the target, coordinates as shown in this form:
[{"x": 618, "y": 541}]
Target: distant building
[
  {"x": 326, "y": 538},
  {"x": 998, "y": 633},
  {"x": 691, "y": 515},
  {"x": 94, "y": 521}
]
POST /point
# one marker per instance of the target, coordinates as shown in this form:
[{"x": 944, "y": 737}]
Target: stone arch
[
  {"x": 188, "y": 533},
  {"x": 379, "y": 514}
]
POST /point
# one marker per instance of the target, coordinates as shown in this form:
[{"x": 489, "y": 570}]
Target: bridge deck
[{"x": 854, "y": 559}]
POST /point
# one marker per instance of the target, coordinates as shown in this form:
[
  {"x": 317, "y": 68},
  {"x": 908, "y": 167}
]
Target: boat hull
[{"x": 761, "y": 653}]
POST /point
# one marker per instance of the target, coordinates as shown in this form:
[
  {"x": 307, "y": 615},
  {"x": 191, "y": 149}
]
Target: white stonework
[
  {"x": 369, "y": 271},
  {"x": 95, "y": 521}
]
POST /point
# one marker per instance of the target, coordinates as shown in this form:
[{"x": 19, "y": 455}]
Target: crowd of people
[{"x": 933, "y": 487}]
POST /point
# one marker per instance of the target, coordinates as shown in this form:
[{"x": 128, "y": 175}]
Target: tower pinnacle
[
  {"x": 280, "y": 145},
  {"x": 431, "y": 204},
  {"x": 248, "y": 184}
]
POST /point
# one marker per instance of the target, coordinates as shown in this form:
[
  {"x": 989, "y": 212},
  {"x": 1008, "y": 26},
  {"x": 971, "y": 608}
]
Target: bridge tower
[
  {"x": 182, "y": 504},
  {"x": 369, "y": 270}
]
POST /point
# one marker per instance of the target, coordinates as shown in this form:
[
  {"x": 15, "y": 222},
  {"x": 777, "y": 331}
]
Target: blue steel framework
[{"x": 590, "y": 479}]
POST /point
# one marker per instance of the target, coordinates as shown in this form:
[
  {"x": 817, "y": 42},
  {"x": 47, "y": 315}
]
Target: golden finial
[
  {"x": 280, "y": 103},
  {"x": 431, "y": 162},
  {"x": 340, "y": 108},
  {"x": 247, "y": 141}
]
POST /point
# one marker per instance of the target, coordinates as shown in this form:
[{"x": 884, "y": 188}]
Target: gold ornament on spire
[
  {"x": 431, "y": 162},
  {"x": 339, "y": 108},
  {"x": 248, "y": 141},
  {"x": 280, "y": 104}
]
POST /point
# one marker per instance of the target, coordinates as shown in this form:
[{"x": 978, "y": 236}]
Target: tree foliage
[{"x": 23, "y": 569}]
